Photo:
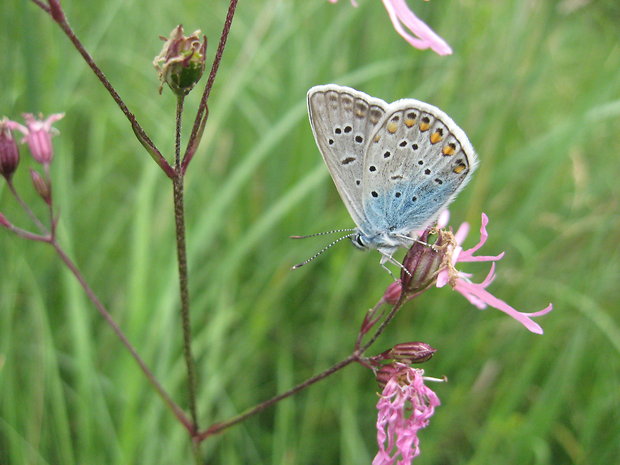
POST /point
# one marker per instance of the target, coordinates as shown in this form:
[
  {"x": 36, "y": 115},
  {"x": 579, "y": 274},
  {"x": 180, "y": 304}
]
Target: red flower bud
[
  {"x": 424, "y": 260},
  {"x": 9, "y": 153},
  {"x": 392, "y": 293},
  {"x": 41, "y": 186},
  {"x": 412, "y": 352}
]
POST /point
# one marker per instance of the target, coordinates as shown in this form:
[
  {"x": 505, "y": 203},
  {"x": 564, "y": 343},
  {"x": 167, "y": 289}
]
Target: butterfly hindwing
[
  {"x": 343, "y": 120},
  {"x": 417, "y": 161}
]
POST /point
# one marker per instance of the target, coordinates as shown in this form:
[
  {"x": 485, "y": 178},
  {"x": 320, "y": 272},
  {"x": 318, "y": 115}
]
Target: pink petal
[
  {"x": 442, "y": 278},
  {"x": 51, "y": 119},
  {"x": 490, "y": 277},
  {"x": 483, "y": 234},
  {"x": 426, "y": 37},
  {"x": 443, "y": 218},
  {"x": 461, "y": 233},
  {"x": 476, "y": 290},
  {"x": 468, "y": 255}
]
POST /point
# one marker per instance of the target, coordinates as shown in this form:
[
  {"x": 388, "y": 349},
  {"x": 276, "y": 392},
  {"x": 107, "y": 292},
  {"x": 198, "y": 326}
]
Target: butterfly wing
[
  {"x": 417, "y": 161},
  {"x": 343, "y": 120}
]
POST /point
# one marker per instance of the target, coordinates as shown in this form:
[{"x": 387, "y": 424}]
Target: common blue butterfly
[{"x": 396, "y": 165}]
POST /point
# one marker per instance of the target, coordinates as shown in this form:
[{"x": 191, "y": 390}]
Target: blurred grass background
[{"x": 536, "y": 85}]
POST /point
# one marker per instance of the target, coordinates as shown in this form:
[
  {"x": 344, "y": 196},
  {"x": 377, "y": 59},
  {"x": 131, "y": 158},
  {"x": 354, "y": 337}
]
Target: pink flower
[
  {"x": 405, "y": 406},
  {"x": 476, "y": 293},
  {"x": 38, "y": 135},
  {"x": 423, "y": 36}
]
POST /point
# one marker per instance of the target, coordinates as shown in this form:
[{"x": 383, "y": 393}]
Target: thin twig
[
  {"x": 219, "y": 427},
  {"x": 203, "y": 108},
  {"x": 176, "y": 410},
  {"x": 143, "y": 138},
  {"x": 356, "y": 356},
  {"x": 177, "y": 139},
  {"x": 179, "y": 217},
  {"x": 26, "y": 208}
]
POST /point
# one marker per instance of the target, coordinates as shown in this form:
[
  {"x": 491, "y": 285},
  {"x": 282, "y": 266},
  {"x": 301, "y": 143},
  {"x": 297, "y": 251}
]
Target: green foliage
[{"x": 537, "y": 87}]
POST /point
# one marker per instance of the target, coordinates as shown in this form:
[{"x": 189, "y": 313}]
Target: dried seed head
[{"x": 181, "y": 62}]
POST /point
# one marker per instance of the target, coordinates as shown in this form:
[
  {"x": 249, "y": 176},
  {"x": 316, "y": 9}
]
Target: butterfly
[{"x": 395, "y": 165}]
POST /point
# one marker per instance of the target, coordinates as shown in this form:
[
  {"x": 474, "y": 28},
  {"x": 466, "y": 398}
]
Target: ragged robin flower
[
  {"x": 435, "y": 264},
  {"x": 476, "y": 293},
  {"x": 38, "y": 134},
  {"x": 405, "y": 406}
]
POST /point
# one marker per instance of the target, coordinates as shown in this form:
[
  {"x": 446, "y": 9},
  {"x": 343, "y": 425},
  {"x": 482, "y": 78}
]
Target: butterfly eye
[{"x": 358, "y": 242}]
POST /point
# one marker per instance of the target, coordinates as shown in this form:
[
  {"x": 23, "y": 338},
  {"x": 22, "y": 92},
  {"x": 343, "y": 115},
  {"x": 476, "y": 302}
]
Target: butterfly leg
[
  {"x": 388, "y": 258},
  {"x": 432, "y": 246}
]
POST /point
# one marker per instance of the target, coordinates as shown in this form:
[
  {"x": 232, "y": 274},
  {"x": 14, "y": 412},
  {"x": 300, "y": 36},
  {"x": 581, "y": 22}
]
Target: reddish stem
[
  {"x": 203, "y": 109},
  {"x": 58, "y": 16}
]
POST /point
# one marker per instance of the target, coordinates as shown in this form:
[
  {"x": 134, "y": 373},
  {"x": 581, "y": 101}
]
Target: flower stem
[
  {"x": 356, "y": 356},
  {"x": 203, "y": 109},
  {"x": 176, "y": 410},
  {"x": 137, "y": 129},
  {"x": 219, "y": 427},
  {"x": 179, "y": 216},
  {"x": 26, "y": 208}
]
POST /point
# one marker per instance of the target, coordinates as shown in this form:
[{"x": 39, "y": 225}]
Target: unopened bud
[
  {"x": 181, "y": 62},
  {"x": 41, "y": 186},
  {"x": 392, "y": 293},
  {"x": 412, "y": 352},
  {"x": 9, "y": 153},
  {"x": 423, "y": 261}
]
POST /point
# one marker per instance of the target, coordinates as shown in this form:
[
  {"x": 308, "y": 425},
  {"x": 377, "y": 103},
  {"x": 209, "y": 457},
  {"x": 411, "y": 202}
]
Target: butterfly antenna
[
  {"x": 322, "y": 233},
  {"x": 299, "y": 265}
]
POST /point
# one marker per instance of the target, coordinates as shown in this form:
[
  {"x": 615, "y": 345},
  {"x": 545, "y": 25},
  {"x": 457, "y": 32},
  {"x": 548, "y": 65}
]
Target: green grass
[{"x": 536, "y": 88}]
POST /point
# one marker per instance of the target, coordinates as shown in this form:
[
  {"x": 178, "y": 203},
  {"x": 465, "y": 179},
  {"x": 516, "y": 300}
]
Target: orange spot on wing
[
  {"x": 448, "y": 149},
  {"x": 392, "y": 127},
  {"x": 436, "y": 137},
  {"x": 409, "y": 122},
  {"x": 459, "y": 168}
]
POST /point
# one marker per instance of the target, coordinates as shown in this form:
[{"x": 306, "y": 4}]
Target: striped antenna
[
  {"x": 322, "y": 233},
  {"x": 299, "y": 265}
]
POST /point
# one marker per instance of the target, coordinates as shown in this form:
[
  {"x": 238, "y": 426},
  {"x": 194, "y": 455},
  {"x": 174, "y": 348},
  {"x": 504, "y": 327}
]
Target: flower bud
[
  {"x": 424, "y": 260},
  {"x": 412, "y": 352},
  {"x": 9, "y": 153},
  {"x": 392, "y": 293},
  {"x": 38, "y": 135},
  {"x": 181, "y": 62},
  {"x": 41, "y": 186}
]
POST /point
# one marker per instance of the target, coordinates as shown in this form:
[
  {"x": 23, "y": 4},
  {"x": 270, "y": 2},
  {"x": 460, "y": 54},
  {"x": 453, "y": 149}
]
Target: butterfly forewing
[
  {"x": 417, "y": 161},
  {"x": 343, "y": 121}
]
